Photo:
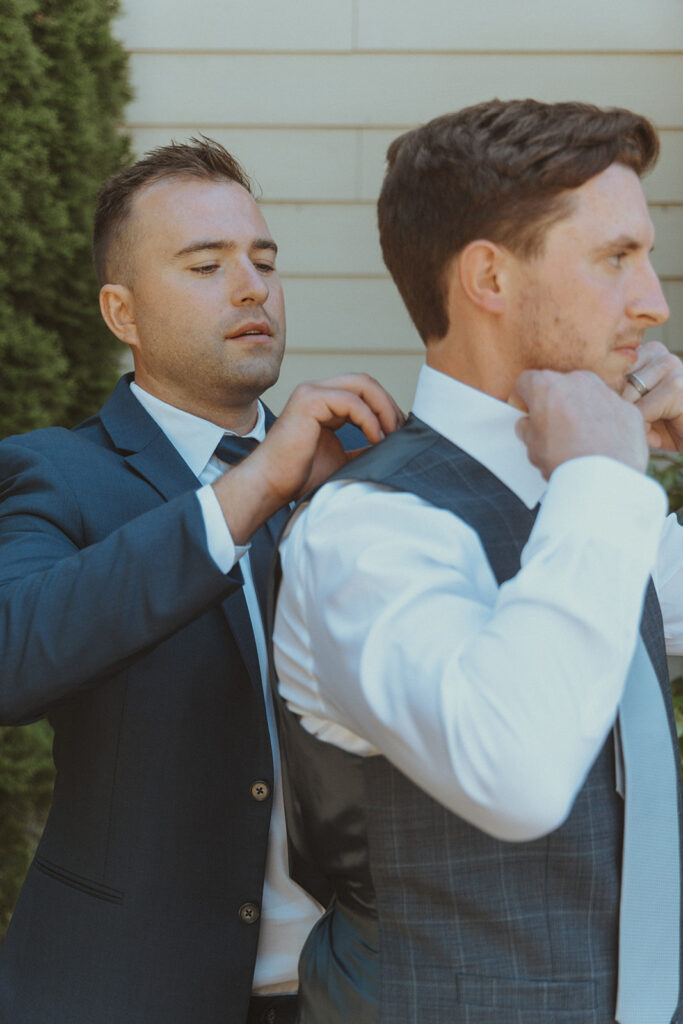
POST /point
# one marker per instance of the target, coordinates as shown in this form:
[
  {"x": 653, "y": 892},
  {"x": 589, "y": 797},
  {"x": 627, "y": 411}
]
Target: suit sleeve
[{"x": 74, "y": 610}]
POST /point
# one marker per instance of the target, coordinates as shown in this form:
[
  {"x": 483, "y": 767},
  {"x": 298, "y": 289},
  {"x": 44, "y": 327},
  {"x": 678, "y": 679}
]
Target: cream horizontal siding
[
  {"x": 342, "y": 239},
  {"x": 496, "y": 25},
  {"x": 527, "y": 25},
  {"x": 663, "y": 185},
  {"x": 309, "y": 96},
  {"x": 324, "y": 90},
  {"x": 286, "y": 163},
  {"x": 337, "y": 164},
  {"x": 227, "y": 25}
]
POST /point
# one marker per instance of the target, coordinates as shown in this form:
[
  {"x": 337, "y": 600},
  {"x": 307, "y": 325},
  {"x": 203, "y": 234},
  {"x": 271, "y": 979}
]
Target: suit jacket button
[
  {"x": 260, "y": 790},
  {"x": 249, "y": 913}
]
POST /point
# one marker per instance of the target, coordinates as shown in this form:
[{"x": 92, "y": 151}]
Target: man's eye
[
  {"x": 265, "y": 268},
  {"x": 616, "y": 258},
  {"x": 205, "y": 269}
]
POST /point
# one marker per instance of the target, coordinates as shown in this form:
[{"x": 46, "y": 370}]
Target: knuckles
[{"x": 657, "y": 348}]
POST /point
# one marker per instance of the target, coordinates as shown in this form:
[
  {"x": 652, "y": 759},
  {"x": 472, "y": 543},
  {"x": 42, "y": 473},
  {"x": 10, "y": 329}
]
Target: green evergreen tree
[
  {"x": 26, "y": 778},
  {"x": 35, "y": 389},
  {"x": 87, "y": 71},
  {"x": 63, "y": 87}
]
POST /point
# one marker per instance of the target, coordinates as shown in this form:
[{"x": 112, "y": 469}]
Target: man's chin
[{"x": 254, "y": 381}]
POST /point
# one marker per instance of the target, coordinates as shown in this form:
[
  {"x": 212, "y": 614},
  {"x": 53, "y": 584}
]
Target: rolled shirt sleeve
[{"x": 393, "y": 637}]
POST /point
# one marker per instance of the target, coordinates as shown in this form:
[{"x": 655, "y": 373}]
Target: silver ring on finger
[{"x": 640, "y": 386}]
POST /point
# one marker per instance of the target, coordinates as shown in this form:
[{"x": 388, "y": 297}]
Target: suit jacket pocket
[{"x": 84, "y": 885}]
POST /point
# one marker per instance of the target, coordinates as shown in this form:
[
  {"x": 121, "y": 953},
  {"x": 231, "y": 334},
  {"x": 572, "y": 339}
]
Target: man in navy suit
[{"x": 130, "y": 617}]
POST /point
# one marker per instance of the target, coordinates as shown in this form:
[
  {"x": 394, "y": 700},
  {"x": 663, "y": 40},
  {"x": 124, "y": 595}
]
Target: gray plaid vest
[{"x": 430, "y": 920}]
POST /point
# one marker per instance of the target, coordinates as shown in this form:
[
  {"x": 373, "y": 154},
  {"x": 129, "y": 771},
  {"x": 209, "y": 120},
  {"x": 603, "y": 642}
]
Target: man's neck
[
  {"x": 239, "y": 419},
  {"x": 477, "y": 367}
]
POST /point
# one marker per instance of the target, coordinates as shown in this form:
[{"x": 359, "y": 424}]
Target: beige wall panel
[
  {"x": 664, "y": 185},
  {"x": 374, "y": 143},
  {"x": 126, "y": 359},
  {"x": 671, "y": 333},
  {"x": 348, "y": 313},
  {"x": 525, "y": 25},
  {"x": 337, "y": 240},
  {"x": 380, "y": 90},
  {"x": 228, "y": 25},
  {"x": 361, "y": 315},
  {"x": 397, "y": 373},
  {"x": 357, "y": 314},
  {"x": 287, "y": 164},
  {"x": 667, "y": 258},
  {"x": 342, "y": 164},
  {"x": 319, "y": 239}
]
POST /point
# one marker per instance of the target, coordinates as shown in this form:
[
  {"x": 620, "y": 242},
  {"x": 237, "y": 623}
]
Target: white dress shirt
[
  {"x": 287, "y": 912},
  {"x": 392, "y": 635}
]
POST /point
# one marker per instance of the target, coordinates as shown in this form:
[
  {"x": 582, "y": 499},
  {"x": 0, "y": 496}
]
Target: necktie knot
[{"x": 232, "y": 448}]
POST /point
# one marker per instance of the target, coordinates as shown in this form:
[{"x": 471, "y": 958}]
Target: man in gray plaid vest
[{"x": 470, "y": 634}]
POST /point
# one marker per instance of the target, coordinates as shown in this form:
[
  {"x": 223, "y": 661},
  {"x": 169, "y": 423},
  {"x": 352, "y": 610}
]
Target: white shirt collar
[
  {"x": 194, "y": 438},
  {"x": 482, "y": 426}
]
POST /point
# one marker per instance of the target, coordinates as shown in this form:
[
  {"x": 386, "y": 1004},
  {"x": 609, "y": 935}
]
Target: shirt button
[
  {"x": 249, "y": 913},
  {"x": 260, "y": 790}
]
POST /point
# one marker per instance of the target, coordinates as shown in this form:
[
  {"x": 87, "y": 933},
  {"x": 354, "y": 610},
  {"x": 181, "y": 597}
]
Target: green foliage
[
  {"x": 63, "y": 87},
  {"x": 677, "y": 695},
  {"x": 26, "y": 778},
  {"x": 667, "y": 468},
  {"x": 32, "y": 361}
]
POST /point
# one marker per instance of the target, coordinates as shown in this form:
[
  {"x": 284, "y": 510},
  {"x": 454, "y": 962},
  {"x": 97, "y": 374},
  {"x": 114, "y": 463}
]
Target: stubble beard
[
  {"x": 555, "y": 344},
  {"x": 246, "y": 379}
]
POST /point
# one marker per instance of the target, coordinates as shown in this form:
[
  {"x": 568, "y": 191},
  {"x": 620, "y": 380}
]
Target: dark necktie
[{"x": 232, "y": 449}]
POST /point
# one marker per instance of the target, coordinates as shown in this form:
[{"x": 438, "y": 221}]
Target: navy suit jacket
[{"x": 117, "y": 625}]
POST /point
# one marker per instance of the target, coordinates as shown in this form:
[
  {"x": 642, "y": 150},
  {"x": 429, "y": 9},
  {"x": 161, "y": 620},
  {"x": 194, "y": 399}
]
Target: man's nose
[
  {"x": 648, "y": 302},
  {"x": 247, "y": 284}
]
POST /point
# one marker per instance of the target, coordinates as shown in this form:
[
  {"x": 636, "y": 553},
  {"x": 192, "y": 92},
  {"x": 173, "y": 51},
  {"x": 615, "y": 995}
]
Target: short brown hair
[
  {"x": 498, "y": 170},
  {"x": 201, "y": 157}
]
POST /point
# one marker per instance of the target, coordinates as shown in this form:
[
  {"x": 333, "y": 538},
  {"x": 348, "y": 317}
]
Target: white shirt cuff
[
  {"x": 219, "y": 542},
  {"x": 608, "y": 502}
]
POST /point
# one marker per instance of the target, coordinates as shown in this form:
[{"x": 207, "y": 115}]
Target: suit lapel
[
  {"x": 147, "y": 450},
  {"x": 237, "y": 616},
  {"x": 143, "y": 444}
]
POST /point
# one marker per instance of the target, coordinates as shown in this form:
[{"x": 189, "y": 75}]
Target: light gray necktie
[{"x": 650, "y": 913}]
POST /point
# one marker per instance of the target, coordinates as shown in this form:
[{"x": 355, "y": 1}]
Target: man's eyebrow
[
  {"x": 622, "y": 243},
  {"x": 265, "y": 243},
  {"x": 225, "y": 245}
]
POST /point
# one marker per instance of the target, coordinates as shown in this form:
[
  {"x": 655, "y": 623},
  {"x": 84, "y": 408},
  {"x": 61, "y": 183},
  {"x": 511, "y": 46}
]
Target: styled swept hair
[
  {"x": 499, "y": 170},
  {"x": 201, "y": 158}
]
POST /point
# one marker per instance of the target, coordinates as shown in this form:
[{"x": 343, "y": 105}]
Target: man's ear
[
  {"x": 482, "y": 267},
  {"x": 118, "y": 311}
]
